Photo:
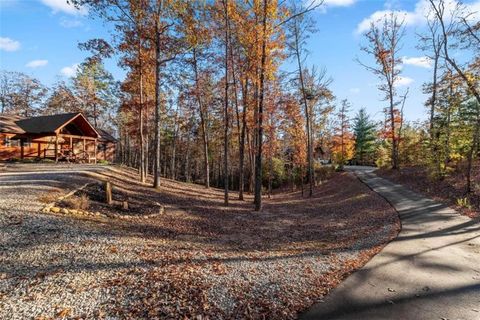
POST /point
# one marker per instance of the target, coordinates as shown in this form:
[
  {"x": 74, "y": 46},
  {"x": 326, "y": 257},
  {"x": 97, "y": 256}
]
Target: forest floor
[
  {"x": 450, "y": 190},
  {"x": 197, "y": 260}
]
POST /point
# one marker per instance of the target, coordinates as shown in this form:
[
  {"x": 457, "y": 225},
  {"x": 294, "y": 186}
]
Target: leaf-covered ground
[
  {"x": 450, "y": 190},
  {"x": 198, "y": 260}
]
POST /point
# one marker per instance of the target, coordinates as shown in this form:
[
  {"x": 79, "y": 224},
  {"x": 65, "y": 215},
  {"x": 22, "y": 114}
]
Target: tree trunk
[
  {"x": 307, "y": 111},
  {"x": 225, "y": 138},
  {"x": 158, "y": 101},
  {"x": 472, "y": 152},
  {"x": 141, "y": 167},
  {"x": 258, "y": 161},
  {"x": 270, "y": 172},
  {"x": 392, "y": 129},
  {"x": 187, "y": 158},
  {"x": 241, "y": 182},
  {"x": 202, "y": 122}
]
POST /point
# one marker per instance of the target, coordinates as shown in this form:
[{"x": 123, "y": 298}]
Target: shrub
[
  {"x": 74, "y": 202},
  {"x": 464, "y": 203},
  {"x": 278, "y": 172},
  {"x": 103, "y": 162}
]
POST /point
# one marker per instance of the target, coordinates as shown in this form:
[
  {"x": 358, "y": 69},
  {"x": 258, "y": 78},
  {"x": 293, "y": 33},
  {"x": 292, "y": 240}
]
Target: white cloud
[
  {"x": 8, "y": 44},
  {"x": 355, "y": 90},
  {"x": 64, "y": 6},
  {"x": 403, "y": 81},
  {"x": 422, "y": 62},
  {"x": 70, "y": 71},
  {"x": 408, "y": 17},
  {"x": 339, "y": 3},
  {"x": 418, "y": 15},
  {"x": 36, "y": 63},
  {"x": 68, "y": 23},
  {"x": 325, "y": 4}
]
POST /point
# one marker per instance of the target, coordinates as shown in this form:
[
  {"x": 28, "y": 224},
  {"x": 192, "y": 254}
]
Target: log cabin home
[{"x": 61, "y": 137}]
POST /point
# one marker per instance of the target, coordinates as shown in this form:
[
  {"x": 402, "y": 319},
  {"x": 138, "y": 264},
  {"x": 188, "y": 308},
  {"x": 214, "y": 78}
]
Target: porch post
[
  {"x": 84, "y": 148},
  {"x": 21, "y": 149},
  {"x": 95, "y": 150},
  {"x": 71, "y": 145},
  {"x": 56, "y": 147}
]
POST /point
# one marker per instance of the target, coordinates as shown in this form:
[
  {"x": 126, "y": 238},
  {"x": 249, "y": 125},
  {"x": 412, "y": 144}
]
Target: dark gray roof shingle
[{"x": 45, "y": 124}]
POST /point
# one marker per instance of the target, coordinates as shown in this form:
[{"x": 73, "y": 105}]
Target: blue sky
[{"x": 40, "y": 37}]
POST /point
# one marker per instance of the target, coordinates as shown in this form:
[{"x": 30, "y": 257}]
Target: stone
[
  {"x": 64, "y": 211},
  {"x": 55, "y": 209},
  {"x": 162, "y": 210},
  {"x": 73, "y": 211}
]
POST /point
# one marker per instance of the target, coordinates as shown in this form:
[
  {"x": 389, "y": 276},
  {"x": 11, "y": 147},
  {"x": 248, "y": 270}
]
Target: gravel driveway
[
  {"x": 198, "y": 260},
  {"x": 43, "y": 258}
]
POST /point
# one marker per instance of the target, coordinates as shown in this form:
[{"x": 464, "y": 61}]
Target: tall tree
[
  {"x": 62, "y": 99},
  {"x": 170, "y": 41},
  {"x": 129, "y": 18},
  {"x": 226, "y": 102},
  {"x": 7, "y": 89},
  {"x": 199, "y": 40},
  {"x": 432, "y": 42},
  {"x": 299, "y": 29},
  {"x": 458, "y": 25},
  {"x": 384, "y": 43},
  {"x": 343, "y": 139},
  {"x": 28, "y": 95},
  {"x": 93, "y": 85}
]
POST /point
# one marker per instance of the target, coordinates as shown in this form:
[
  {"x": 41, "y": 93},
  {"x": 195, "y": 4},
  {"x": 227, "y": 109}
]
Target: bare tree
[
  {"x": 299, "y": 28},
  {"x": 432, "y": 43},
  {"x": 384, "y": 43},
  {"x": 7, "y": 88}
]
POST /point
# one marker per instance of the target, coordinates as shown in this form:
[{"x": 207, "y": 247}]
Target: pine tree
[{"x": 365, "y": 136}]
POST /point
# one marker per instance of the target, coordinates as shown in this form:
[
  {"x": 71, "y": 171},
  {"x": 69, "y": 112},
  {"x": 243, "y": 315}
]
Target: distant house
[
  {"x": 67, "y": 136},
  {"x": 320, "y": 156}
]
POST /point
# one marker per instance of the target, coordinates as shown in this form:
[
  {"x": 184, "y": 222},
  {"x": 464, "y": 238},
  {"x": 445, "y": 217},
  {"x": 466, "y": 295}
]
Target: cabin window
[
  {"x": 102, "y": 147},
  {"x": 8, "y": 142}
]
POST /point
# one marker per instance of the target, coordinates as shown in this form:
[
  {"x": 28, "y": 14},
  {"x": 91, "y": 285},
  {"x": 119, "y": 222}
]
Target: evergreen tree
[
  {"x": 94, "y": 87},
  {"x": 365, "y": 136}
]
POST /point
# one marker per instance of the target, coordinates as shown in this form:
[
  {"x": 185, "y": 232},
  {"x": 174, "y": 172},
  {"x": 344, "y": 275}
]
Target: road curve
[{"x": 430, "y": 271}]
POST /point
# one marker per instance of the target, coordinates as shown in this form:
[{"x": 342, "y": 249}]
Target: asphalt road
[{"x": 430, "y": 271}]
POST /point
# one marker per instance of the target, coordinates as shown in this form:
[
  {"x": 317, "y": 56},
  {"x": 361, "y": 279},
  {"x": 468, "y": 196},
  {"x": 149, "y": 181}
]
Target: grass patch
[{"x": 50, "y": 196}]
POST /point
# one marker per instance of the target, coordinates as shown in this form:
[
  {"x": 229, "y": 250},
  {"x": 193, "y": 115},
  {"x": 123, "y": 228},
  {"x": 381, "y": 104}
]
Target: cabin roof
[
  {"x": 45, "y": 124},
  {"x": 105, "y": 136},
  {"x": 51, "y": 124}
]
